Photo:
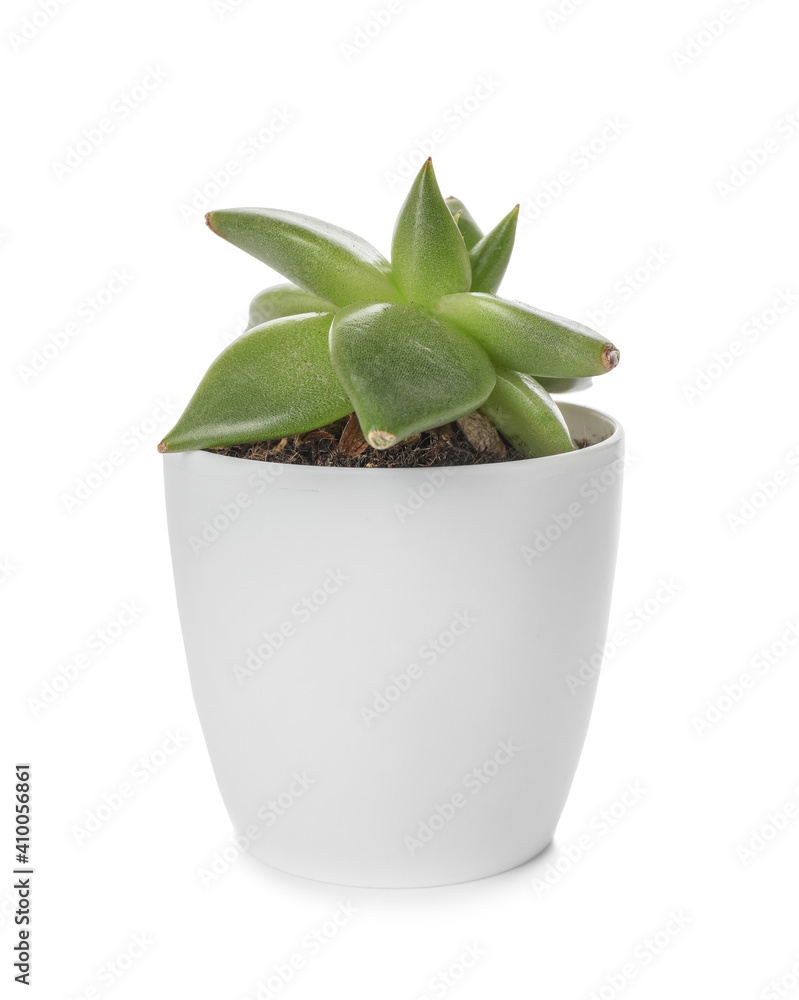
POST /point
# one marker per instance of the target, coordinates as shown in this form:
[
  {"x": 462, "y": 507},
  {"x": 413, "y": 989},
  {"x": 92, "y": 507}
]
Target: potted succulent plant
[{"x": 392, "y": 549}]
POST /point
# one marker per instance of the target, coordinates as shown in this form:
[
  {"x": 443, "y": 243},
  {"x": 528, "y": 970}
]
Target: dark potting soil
[{"x": 471, "y": 440}]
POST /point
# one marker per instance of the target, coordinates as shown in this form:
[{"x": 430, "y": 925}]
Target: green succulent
[{"x": 407, "y": 345}]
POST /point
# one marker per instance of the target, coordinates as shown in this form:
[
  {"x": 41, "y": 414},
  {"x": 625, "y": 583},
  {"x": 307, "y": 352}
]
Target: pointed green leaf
[
  {"x": 405, "y": 371},
  {"x": 524, "y": 412},
  {"x": 524, "y": 339},
  {"x": 321, "y": 258},
  {"x": 489, "y": 258},
  {"x": 428, "y": 255},
  {"x": 272, "y": 382},
  {"x": 284, "y": 300},
  {"x": 470, "y": 231}
]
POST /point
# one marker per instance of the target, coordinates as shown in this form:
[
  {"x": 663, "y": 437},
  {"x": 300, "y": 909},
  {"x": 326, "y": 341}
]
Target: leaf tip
[
  {"x": 162, "y": 447},
  {"x": 381, "y": 439},
  {"x": 427, "y": 169},
  {"x": 209, "y": 221},
  {"x": 610, "y": 356}
]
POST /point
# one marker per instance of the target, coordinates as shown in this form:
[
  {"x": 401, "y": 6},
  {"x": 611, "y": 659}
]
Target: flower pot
[{"x": 383, "y": 659}]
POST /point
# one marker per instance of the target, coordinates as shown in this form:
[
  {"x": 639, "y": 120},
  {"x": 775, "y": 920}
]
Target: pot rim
[{"x": 543, "y": 463}]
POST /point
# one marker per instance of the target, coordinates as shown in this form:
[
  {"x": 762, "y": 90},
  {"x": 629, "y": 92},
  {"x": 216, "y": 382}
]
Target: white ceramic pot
[{"x": 381, "y": 658}]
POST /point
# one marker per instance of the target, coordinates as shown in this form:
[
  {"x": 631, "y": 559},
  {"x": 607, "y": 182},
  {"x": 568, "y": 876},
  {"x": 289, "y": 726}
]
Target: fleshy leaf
[
  {"x": 321, "y": 258},
  {"x": 490, "y": 257},
  {"x": 284, "y": 300},
  {"x": 470, "y": 231},
  {"x": 526, "y": 415},
  {"x": 428, "y": 255},
  {"x": 524, "y": 339},
  {"x": 274, "y": 381},
  {"x": 405, "y": 371}
]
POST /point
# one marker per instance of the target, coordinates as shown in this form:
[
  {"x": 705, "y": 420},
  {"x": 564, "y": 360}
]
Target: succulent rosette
[{"x": 408, "y": 345}]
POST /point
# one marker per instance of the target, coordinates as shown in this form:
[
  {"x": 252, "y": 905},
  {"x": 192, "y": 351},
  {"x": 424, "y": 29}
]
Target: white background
[{"x": 713, "y": 258}]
